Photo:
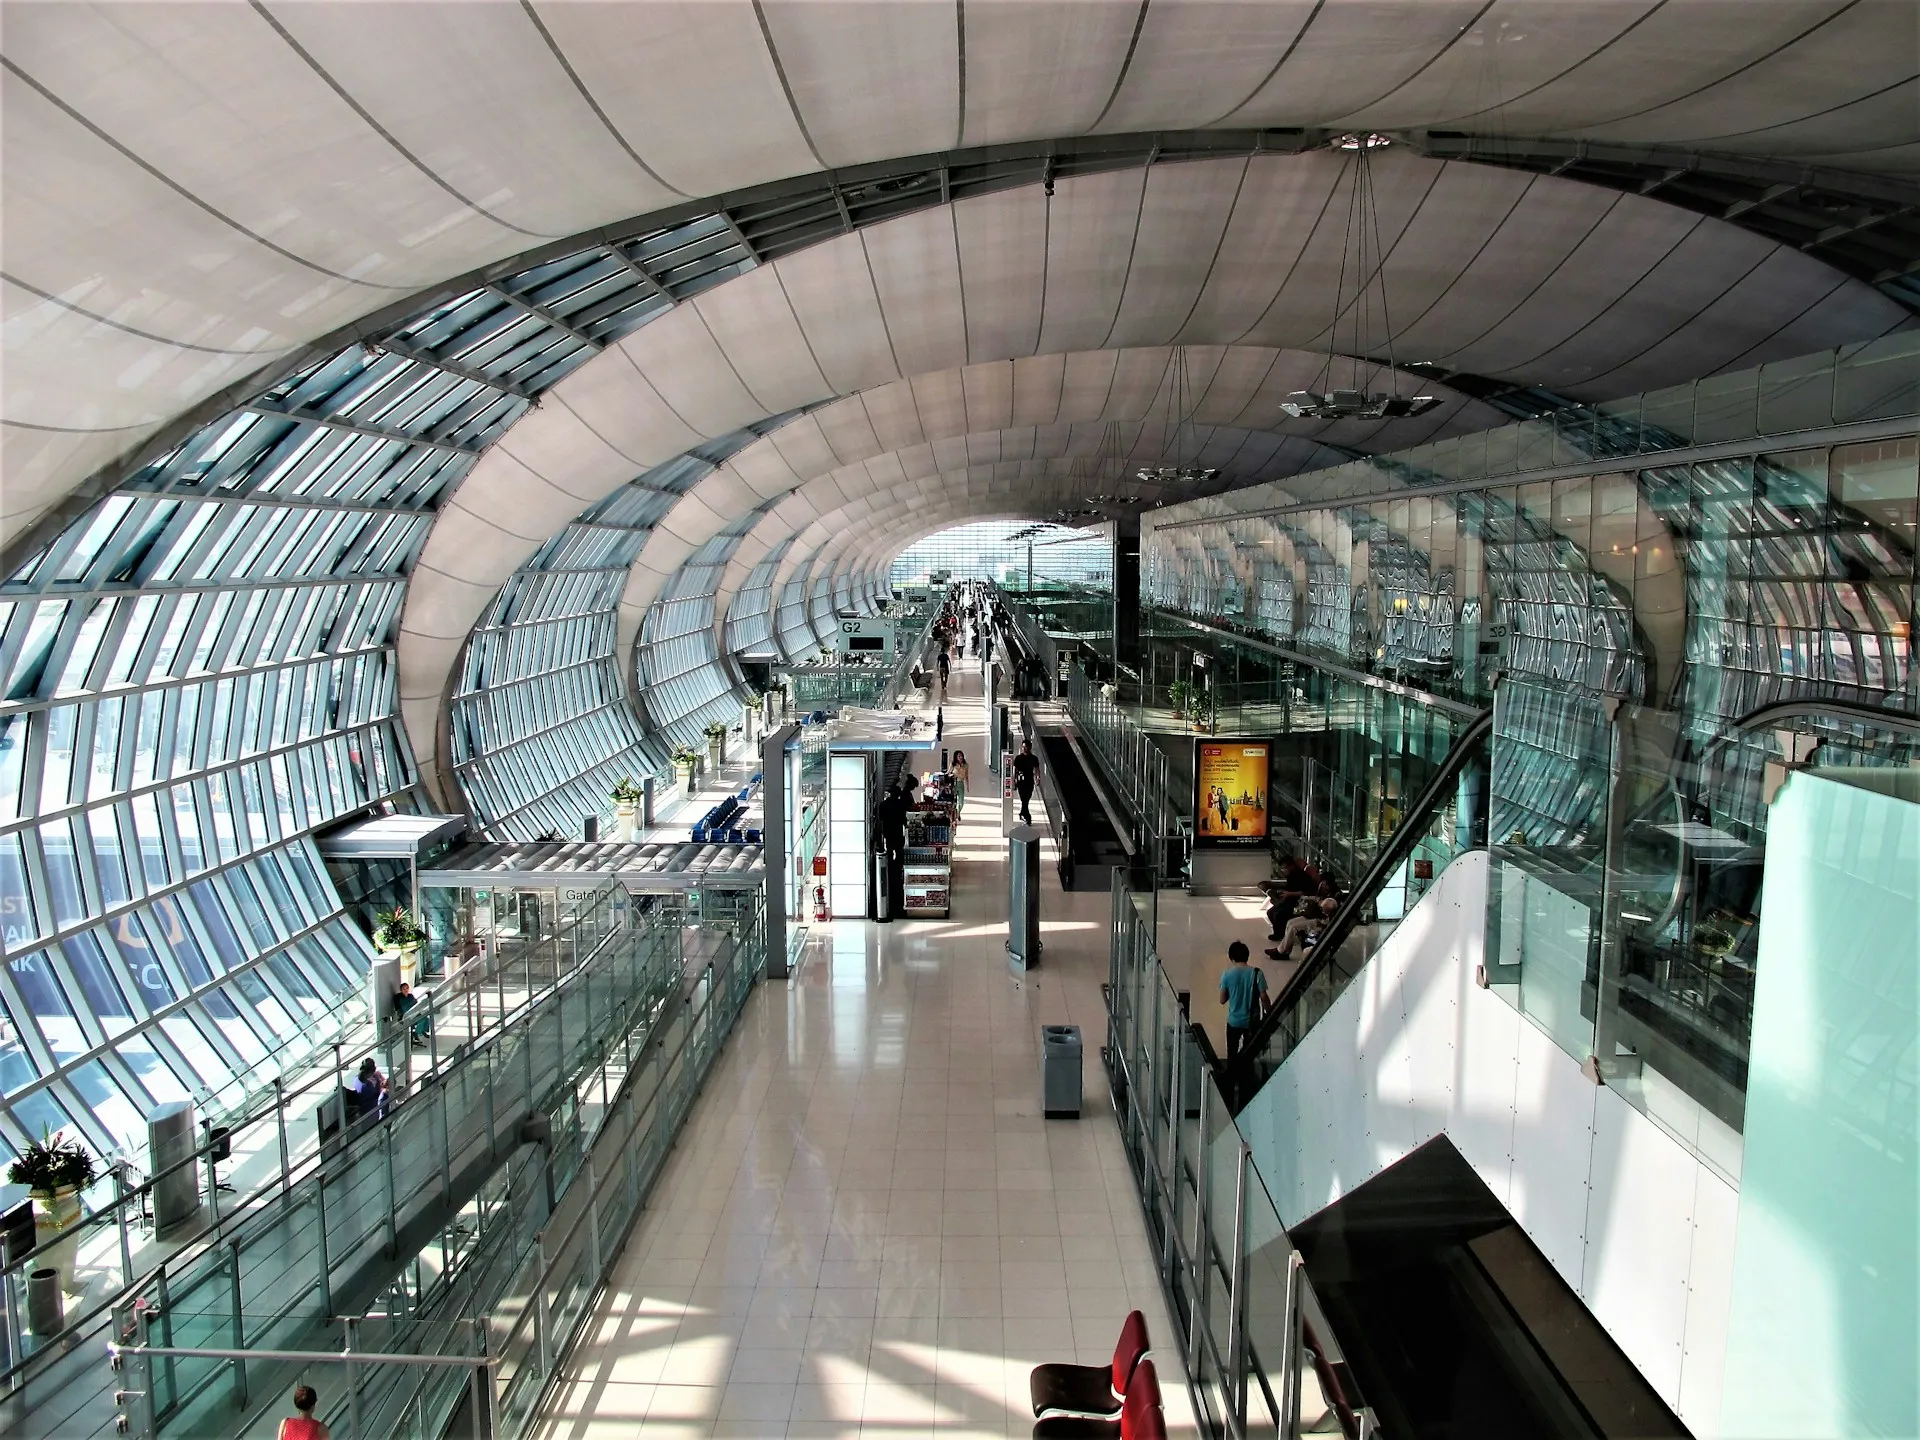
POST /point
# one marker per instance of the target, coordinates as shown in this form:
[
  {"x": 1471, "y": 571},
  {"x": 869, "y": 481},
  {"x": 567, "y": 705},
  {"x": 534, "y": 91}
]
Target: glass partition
[{"x": 1251, "y": 1337}]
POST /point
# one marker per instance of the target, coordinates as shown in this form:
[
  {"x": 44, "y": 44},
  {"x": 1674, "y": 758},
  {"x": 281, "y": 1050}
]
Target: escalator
[
  {"x": 1091, "y": 841},
  {"x": 1340, "y": 952},
  {"x": 1454, "y": 1323}
]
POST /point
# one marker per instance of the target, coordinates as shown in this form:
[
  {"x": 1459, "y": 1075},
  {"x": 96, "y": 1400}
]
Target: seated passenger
[{"x": 1304, "y": 929}]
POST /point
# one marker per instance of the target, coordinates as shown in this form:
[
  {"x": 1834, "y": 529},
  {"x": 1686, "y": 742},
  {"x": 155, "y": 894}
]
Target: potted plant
[
  {"x": 1177, "y": 697},
  {"x": 717, "y": 744},
  {"x": 686, "y": 761},
  {"x": 56, "y": 1169},
  {"x": 626, "y": 797},
  {"x": 397, "y": 932}
]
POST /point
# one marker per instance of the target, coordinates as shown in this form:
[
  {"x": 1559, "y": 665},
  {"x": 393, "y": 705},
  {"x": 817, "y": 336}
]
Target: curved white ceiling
[
  {"x": 1036, "y": 408},
  {"x": 193, "y": 191},
  {"x": 1525, "y": 278}
]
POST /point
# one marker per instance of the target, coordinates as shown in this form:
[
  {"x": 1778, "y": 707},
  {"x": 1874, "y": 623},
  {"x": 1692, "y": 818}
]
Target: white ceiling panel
[
  {"x": 1627, "y": 244},
  {"x": 214, "y": 100},
  {"x": 1510, "y": 51},
  {"x": 473, "y": 94},
  {"x": 753, "y": 324},
  {"x": 1182, "y": 222},
  {"x": 916, "y": 270},
  {"x": 894, "y": 416},
  {"x": 940, "y": 401},
  {"x": 1860, "y": 50},
  {"x": 868, "y": 80},
  {"x": 664, "y": 73},
  {"x": 989, "y": 394},
  {"x": 1038, "y": 382},
  {"x": 700, "y": 385},
  {"x": 1090, "y": 235},
  {"x": 1353, "y": 54},
  {"x": 1676, "y": 50},
  {"x": 1041, "y": 69},
  {"x": 1004, "y": 239},
  {"x": 1215, "y": 53},
  {"x": 830, "y": 288},
  {"x": 1280, "y": 205}
]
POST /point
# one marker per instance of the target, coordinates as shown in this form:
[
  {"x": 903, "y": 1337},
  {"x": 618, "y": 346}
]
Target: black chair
[
  {"x": 1092, "y": 1389},
  {"x": 1141, "y": 1416}
]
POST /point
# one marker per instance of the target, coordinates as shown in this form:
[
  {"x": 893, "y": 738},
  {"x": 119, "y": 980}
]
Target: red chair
[
  {"x": 1141, "y": 1417},
  {"x": 1092, "y": 1389}
]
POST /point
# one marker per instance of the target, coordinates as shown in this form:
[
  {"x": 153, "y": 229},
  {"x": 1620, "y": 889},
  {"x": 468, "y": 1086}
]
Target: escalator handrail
[{"x": 1437, "y": 792}]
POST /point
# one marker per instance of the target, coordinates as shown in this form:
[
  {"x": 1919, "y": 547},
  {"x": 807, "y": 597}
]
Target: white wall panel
[{"x": 1628, "y": 1217}]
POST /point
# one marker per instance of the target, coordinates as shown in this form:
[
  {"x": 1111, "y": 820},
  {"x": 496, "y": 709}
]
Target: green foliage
[
  {"x": 396, "y": 929},
  {"x": 626, "y": 791},
  {"x": 53, "y": 1162}
]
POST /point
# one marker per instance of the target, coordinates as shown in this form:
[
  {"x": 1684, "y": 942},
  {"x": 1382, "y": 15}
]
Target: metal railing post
[
  {"x": 1290, "y": 1375},
  {"x": 1237, "y": 1300},
  {"x": 481, "y": 1384},
  {"x": 326, "y": 1264},
  {"x": 239, "y": 1324},
  {"x": 386, "y": 1157},
  {"x": 280, "y": 1123},
  {"x": 1202, "y": 1252},
  {"x": 1176, "y": 1114},
  {"x": 120, "y": 1221},
  {"x": 542, "y": 1319},
  {"x": 353, "y": 1380}
]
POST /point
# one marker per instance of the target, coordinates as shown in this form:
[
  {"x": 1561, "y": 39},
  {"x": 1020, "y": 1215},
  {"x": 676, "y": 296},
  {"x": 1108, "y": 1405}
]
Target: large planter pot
[
  {"x": 56, "y": 1214},
  {"x": 409, "y": 958},
  {"x": 623, "y": 820},
  {"x": 683, "y": 776},
  {"x": 716, "y": 752}
]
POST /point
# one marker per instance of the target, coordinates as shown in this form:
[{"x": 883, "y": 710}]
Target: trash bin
[
  {"x": 1060, "y": 1071},
  {"x": 46, "y": 1305}
]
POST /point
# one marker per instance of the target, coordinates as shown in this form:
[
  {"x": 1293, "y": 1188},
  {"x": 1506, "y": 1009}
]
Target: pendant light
[{"x": 1362, "y": 246}]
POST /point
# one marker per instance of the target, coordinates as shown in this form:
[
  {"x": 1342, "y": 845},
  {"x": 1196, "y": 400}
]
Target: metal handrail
[
  {"x": 1394, "y": 850},
  {"x": 224, "y": 1225}
]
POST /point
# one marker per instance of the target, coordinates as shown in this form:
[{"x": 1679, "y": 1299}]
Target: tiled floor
[{"x": 867, "y": 1228}]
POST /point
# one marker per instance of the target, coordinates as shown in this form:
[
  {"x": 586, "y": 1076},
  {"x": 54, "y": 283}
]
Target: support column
[{"x": 1126, "y": 589}]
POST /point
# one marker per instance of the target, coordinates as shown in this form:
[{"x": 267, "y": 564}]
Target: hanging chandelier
[
  {"x": 1179, "y": 418},
  {"x": 1362, "y": 245}
]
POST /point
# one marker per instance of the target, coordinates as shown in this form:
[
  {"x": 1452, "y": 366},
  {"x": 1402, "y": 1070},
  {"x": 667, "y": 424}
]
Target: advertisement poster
[{"x": 1230, "y": 792}]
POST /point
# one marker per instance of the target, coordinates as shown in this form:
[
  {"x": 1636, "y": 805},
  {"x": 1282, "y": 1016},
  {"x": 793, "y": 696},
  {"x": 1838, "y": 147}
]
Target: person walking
[
  {"x": 945, "y": 666},
  {"x": 958, "y": 770},
  {"x": 1243, "y": 990},
  {"x": 1026, "y": 775},
  {"x": 301, "y": 1425}
]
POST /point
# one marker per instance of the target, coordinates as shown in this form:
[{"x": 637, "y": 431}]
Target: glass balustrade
[
  {"x": 482, "y": 1350},
  {"x": 1258, "y": 1351}
]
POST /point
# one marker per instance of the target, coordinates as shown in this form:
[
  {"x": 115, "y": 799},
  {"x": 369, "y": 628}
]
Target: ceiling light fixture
[
  {"x": 1362, "y": 245},
  {"x": 1180, "y": 405}
]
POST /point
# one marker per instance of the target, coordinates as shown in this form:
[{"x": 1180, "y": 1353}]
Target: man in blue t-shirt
[{"x": 1243, "y": 990}]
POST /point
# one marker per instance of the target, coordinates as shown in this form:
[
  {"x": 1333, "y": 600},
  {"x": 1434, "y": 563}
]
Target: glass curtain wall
[
  {"x": 198, "y": 672},
  {"x": 683, "y": 680},
  {"x": 750, "y": 617},
  {"x": 996, "y": 550},
  {"x": 1668, "y": 638}
]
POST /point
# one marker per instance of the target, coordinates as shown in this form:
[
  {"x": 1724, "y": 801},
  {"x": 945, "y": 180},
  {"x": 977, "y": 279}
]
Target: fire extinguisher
[{"x": 820, "y": 903}]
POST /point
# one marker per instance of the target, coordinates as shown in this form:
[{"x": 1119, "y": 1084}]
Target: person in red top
[{"x": 302, "y": 1426}]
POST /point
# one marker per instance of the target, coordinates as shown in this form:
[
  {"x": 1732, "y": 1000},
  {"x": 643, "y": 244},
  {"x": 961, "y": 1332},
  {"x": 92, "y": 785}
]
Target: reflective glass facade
[{"x": 997, "y": 550}]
